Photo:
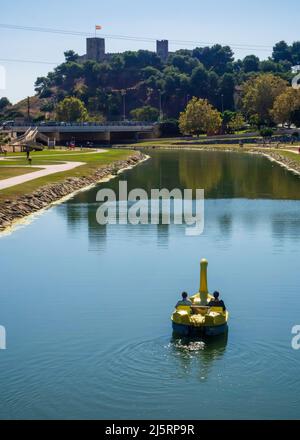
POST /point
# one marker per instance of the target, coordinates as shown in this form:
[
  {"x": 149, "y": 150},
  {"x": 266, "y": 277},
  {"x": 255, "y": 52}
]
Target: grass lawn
[
  {"x": 36, "y": 161},
  {"x": 177, "y": 143},
  {"x": 293, "y": 156},
  {"x": 92, "y": 163},
  {"x": 6, "y": 173},
  {"x": 57, "y": 151}
]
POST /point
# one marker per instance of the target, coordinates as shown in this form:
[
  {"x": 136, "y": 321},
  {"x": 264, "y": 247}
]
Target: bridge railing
[{"x": 82, "y": 124}]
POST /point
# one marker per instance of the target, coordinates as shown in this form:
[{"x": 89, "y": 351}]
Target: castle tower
[
  {"x": 95, "y": 49},
  {"x": 162, "y": 49}
]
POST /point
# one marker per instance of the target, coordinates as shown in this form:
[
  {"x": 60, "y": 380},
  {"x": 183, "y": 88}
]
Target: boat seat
[
  {"x": 184, "y": 309},
  {"x": 217, "y": 310}
]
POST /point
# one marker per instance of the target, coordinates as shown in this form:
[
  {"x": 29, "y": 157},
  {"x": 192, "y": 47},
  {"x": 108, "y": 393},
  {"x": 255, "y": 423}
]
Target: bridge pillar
[
  {"x": 56, "y": 137},
  {"x": 107, "y": 137}
]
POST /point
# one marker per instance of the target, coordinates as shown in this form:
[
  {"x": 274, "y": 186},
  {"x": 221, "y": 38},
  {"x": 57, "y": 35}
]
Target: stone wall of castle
[{"x": 95, "y": 50}]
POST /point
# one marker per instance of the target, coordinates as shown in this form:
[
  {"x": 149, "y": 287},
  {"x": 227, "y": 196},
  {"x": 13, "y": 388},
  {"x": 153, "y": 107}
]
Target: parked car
[
  {"x": 52, "y": 124},
  {"x": 7, "y": 124}
]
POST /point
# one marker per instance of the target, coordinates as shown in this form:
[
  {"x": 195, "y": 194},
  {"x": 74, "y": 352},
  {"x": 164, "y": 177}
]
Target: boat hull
[{"x": 191, "y": 331}]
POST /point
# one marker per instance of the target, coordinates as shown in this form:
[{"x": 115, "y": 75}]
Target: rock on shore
[{"x": 286, "y": 162}]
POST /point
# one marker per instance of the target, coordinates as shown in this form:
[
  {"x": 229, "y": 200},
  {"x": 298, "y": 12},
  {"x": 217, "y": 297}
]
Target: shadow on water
[{"x": 198, "y": 353}]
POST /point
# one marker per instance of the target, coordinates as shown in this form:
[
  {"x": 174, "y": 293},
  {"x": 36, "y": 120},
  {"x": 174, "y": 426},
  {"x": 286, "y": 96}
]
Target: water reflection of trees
[
  {"x": 222, "y": 175},
  {"x": 232, "y": 175},
  {"x": 222, "y": 218}
]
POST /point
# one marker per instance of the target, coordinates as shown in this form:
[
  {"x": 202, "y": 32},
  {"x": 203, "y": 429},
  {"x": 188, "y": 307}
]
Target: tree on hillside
[
  {"x": 42, "y": 87},
  {"x": 140, "y": 59},
  {"x": 4, "y": 103},
  {"x": 295, "y": 51},
  {"x": 71, "y": 56},
  {"x": 70, "y": 73},
  {"x": 145, "y": 114},
  {"x": 281, "y": 52},
  {"x": 227, "y": 86},
  {"x": 216, "y": 57},
  {"x": 150, "y": 72},
  {"x": 200, "y": 117},
  {"x": 199, "y": 82},
  {"x": 207, "y": 72},
  {"x": 47, "y": 107},
  {"x": 71, "y": 110},
  {"x": 184, "y": 63},
  {"x": 213, "y": 89},
  {"x": 286, "y": 105},
  {"x": 259, "y": 94},
  {"x": 251, "y": 63}
]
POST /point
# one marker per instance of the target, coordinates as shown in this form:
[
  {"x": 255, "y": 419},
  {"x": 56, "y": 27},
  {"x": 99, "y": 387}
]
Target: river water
[{"x": 87, "y": 308}]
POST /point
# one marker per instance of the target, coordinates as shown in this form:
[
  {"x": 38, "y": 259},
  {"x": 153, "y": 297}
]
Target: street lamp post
[
  {"x": 124, "y": 104},
  {"x": 28, "y": 109},
  {"x": 161, "y": 115},
  {"x": 222, "y": 96}
]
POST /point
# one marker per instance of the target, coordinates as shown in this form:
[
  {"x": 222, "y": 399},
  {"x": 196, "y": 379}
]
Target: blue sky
[{"x": 256, "y": 22}]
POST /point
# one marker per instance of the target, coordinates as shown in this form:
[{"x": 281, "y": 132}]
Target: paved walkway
[
  {"x": 45, "y": 171},
  {"x": 292, "y": 151}
]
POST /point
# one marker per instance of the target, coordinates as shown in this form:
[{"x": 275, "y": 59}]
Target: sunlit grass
[
  {"x": 293, "y": 156},
  {"x": 6, "y": 173},
  {"x": 92, "y": 162}
]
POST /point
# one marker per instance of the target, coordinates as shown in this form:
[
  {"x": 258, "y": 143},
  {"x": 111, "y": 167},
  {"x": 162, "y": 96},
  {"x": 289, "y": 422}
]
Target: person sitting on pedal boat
[
  {"x": 185, "y": 301},
  {"x": 216, "y": 302}
]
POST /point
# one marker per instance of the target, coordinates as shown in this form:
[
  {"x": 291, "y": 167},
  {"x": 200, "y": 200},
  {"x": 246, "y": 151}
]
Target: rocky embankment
[
  {"x": 290, "y": 164},
  {"x": 12, "y": 211},
  {"x": 286, "y": 162}
]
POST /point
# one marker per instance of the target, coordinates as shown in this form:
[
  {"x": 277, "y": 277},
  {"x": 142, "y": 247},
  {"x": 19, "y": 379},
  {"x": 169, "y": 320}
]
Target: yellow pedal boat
[{"x": 199, "y": 319}]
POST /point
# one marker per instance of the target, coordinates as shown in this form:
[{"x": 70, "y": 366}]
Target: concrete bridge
[{"x": 83, "y": 133}]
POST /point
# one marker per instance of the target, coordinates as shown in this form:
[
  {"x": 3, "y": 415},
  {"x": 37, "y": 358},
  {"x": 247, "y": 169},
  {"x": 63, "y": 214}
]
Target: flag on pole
[{"x": 98, "y": 27}]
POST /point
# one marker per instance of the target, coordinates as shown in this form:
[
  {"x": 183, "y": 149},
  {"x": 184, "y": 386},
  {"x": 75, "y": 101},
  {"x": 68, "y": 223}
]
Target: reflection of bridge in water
[{"x": 106, "y": 133}]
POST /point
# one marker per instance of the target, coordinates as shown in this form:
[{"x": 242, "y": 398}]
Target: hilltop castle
[{"x": 95, "y": 50}]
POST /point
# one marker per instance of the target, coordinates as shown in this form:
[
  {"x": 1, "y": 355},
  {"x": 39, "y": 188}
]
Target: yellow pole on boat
[{"x": 204, "y": 283}]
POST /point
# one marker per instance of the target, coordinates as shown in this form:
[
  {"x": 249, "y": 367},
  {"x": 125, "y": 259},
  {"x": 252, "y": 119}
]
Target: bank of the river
[
  {"x": 285, "y": 159},
  {"x": 16, "y": 209}
]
